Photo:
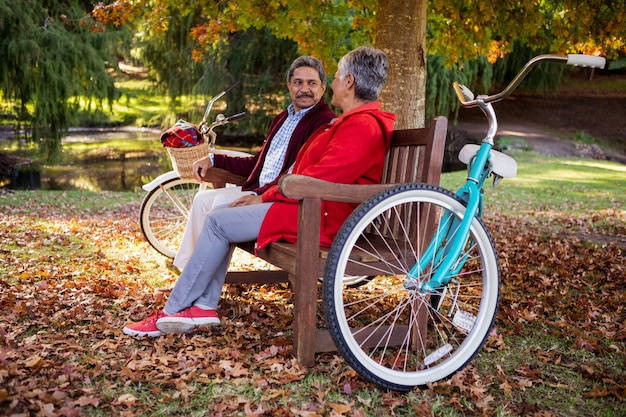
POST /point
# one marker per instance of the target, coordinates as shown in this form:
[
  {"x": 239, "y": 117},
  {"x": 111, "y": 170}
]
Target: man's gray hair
[
  {"x": 369, "y": 67},
  {"x": 307, "y": 61}
]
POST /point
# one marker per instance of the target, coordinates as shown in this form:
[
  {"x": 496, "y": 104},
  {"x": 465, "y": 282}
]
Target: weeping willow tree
[
  {"x": 260, "y": 61},
  {"x": 165, "y": 50},
  {"x": 52, "y": 56}
]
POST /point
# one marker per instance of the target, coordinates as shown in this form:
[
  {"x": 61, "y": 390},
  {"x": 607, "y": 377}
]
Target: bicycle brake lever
[
  {"x": 230, "y": 87},
  {"x": 463, "y": 93}
]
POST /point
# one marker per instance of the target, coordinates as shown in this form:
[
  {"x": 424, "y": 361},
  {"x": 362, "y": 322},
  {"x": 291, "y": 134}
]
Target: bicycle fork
[{"x": 444, "y": 254}]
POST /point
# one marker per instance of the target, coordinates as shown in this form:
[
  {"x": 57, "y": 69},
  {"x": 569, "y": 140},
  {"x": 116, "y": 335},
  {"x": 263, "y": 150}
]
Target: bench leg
[
  {"x": 304, "y": 318},
  {"x": 305, "y": 281}
]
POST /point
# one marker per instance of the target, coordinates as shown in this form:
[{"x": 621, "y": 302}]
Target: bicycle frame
[
  {"x": 444, "y": 252},
  {"x": 451, "y": 236}
]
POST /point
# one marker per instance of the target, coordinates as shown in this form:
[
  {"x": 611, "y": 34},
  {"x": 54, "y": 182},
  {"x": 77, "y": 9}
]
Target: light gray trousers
[
  {"x": 204, "y": 202},
  {"x": 201, "y": 281}
]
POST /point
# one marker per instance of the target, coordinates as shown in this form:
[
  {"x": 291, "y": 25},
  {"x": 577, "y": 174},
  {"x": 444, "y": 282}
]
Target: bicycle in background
[{"x": 165, "y": 209}]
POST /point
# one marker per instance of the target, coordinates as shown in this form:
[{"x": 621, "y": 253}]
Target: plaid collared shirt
[{"x": 278, "y": 147}]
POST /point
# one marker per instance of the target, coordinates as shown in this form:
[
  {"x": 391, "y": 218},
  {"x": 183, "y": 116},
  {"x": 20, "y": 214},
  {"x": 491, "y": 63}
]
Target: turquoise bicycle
[{"x": 433, "y": 273}]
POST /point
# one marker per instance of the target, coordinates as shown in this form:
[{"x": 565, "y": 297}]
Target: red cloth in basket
[{"x": 182, "y": 135}]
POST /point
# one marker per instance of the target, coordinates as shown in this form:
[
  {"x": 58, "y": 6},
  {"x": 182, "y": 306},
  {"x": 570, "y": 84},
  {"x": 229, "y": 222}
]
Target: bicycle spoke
[{"x": 164, "y": 214}]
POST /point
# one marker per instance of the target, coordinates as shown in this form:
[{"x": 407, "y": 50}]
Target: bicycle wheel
[
  {"x": 164, "y": 213},
  {"x": 388, "y": 330}
]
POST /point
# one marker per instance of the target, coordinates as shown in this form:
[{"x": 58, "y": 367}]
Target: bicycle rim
[
  {"x": 396, "y": 337},
  {"x": 164, "y": 213}
]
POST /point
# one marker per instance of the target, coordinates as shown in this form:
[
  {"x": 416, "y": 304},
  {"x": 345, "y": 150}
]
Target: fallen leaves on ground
[{"x": 73, "y": 279}]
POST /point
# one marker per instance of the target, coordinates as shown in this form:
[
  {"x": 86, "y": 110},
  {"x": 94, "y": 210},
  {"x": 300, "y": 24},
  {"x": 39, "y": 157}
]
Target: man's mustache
[{"x": 304, "y": 95}]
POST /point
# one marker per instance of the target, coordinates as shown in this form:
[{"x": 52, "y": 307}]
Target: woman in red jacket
[{"x": 349, "y": 150}]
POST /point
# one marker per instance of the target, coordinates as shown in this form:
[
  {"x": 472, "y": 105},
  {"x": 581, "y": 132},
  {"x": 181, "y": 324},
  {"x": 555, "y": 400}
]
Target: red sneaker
[
  {"x": 187, "y": 320},
  {"x": 146, "y": 327}
]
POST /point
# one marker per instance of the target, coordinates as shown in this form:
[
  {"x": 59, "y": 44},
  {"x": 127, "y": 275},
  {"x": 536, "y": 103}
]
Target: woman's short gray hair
[
  {"x": 307, "y": 61},
  {"x": 369, "y": 67}
]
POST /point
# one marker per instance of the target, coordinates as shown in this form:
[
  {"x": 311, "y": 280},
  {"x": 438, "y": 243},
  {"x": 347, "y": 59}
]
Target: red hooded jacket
[{"x": 350, "y": 150}]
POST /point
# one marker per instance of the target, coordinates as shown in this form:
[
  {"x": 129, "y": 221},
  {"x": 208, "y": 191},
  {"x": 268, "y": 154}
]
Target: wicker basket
[{"x": 183, "y": 158}]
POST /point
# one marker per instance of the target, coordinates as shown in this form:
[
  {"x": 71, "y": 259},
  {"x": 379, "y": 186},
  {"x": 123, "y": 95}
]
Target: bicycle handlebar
[
  {"x": 217, "y": 97},
  {"x": 220, "y": 120},
  {"x": 236, "y": 117},
  {"x": 466, "y": 97}
]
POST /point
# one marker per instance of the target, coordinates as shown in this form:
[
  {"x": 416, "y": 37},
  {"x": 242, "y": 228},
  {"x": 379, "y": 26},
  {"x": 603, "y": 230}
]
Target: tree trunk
[{"x": 401, "y": 33}]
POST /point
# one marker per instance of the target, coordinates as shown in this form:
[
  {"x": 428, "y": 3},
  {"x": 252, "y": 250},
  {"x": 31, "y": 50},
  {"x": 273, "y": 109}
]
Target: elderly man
[
  {"x": 349, "y": 150},
  {"x": 306, "y": 81}
]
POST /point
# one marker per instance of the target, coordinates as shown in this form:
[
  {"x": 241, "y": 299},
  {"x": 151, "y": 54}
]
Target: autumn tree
[
  {"x": 456, "y": 31},
  {"x": 254, "y": 57},
  {"x": 250, "y": 41},
  {"x": 54, "y": 53}
]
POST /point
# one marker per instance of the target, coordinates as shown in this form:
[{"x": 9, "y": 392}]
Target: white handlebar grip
[{"x": 581, "y": 60}]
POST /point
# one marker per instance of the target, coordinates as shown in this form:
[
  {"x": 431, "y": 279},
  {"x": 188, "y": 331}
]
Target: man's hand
[
  {"x": 247, "y": 200},
  {"x": 201, "y": 167}
]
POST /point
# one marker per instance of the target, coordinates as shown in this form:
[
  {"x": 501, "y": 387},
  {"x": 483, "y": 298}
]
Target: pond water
[{"x": 101, "y": 160}]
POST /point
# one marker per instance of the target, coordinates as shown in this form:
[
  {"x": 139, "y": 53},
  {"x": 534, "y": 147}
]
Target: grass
[
  {"x": 141, "y": 105},
  {"x": 543, "y": 184},
  {"x": 538, "y": 367},
  {"x": 59, "y": 238},
  {"x": 555, "y": 366},
  {"x": 79, "y": 201}
]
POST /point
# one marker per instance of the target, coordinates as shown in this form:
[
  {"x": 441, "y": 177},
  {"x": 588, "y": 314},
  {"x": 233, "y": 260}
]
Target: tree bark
[{"x": 401, "y": 33}]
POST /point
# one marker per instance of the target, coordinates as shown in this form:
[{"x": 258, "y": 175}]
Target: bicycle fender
[
  {"x": 170, "y": 175},
  {"x": 501, "y": 164}
]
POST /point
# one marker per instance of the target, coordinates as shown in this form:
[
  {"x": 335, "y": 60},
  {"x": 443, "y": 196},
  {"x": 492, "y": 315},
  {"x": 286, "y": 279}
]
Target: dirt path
[{"x": 548, "y": 124}]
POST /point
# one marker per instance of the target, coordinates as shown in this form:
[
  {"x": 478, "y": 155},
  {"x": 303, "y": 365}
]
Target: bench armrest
[
  {"x": 300, "y": 187},
  {"x": 219, "y": 177}
]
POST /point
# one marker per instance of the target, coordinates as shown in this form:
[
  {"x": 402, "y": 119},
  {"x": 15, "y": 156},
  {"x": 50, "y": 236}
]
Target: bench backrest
[
  {"x": 414, "y": 148},
  {"x": 416, "y": 155}
]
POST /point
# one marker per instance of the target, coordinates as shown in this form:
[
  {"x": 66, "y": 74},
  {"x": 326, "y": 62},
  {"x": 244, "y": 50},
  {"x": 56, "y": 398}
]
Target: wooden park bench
[{"x": 416, "y": 155}]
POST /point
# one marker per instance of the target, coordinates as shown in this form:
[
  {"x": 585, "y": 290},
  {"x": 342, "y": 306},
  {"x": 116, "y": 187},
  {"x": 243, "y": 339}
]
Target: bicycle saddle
[{"x": 501, "y": 164}]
